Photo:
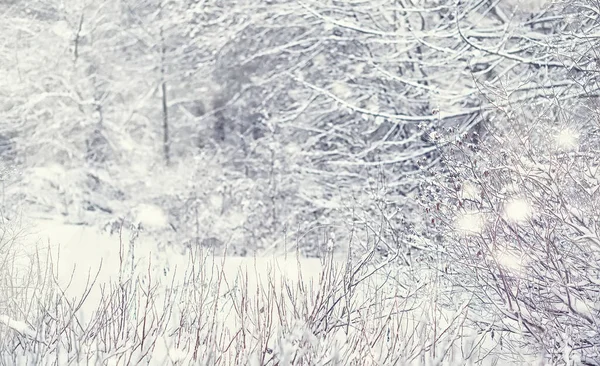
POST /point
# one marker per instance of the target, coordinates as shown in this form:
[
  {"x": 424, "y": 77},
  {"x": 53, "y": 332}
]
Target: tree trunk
[{"x": 166, "y": 142}]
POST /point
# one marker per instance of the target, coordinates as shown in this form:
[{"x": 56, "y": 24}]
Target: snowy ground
[{"x": 84, "y": 252}]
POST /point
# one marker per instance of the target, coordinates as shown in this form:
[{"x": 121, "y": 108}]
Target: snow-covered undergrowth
[{"x": 75, "y": 296}]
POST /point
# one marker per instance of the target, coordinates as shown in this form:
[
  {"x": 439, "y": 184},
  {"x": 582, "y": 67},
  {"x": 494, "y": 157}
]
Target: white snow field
[{"x": 174, "y": 309}]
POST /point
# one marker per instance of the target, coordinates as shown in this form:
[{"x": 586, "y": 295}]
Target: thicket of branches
[
  {"x": 428, "y": 131},
  {"x": 515, "y": 206}
]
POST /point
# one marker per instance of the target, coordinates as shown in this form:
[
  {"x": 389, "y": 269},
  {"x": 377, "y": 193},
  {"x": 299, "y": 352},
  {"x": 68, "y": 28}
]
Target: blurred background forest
[{"x": 265, "y": 125}]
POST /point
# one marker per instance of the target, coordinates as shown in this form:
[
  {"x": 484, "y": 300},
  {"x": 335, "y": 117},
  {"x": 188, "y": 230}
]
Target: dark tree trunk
[{"x": 166, "y": 142}]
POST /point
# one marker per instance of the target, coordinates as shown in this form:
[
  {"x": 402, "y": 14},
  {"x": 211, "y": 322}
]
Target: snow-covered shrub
[
  {"x": 79, "y": 195},
  {"x": 516, "y": 215},
  {"x": 232, "y": 311},
  {"x": 16, "y": 280}
]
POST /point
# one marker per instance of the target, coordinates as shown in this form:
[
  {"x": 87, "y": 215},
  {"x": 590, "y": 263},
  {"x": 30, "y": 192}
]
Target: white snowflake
[
  {"x": 567, "y": 139},
  {"x": 470, "y": 223},
  {"x": 517, "y": 210}
]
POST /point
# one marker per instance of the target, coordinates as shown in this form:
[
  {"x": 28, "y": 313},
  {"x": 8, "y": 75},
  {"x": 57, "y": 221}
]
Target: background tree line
[{"x": 282, "y": 124}]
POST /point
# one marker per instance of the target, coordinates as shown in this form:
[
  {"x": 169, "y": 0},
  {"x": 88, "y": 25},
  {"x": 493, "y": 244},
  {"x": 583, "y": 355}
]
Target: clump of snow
[
  {"x": 517, "y": 210},
  {"x": 150, "y": 216},
  {"x": 216, "y": 202},
  {"x": 62, "y": 29},
  {"x": 18, "y": 326},
  {"x": 341, "y": 89}
]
